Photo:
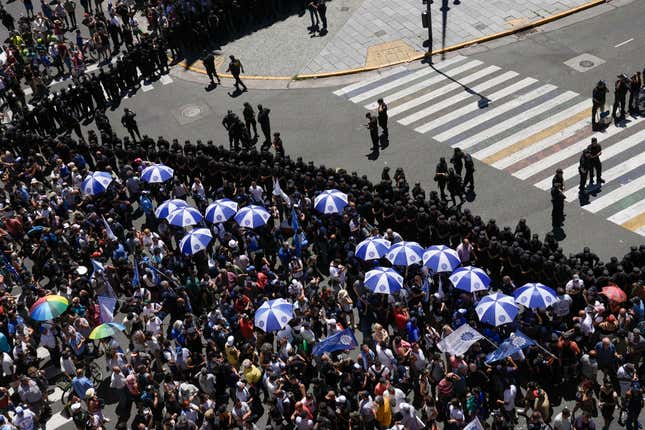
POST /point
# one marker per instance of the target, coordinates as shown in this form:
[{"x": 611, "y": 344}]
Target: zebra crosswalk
[{"x": 517, "y": 124}]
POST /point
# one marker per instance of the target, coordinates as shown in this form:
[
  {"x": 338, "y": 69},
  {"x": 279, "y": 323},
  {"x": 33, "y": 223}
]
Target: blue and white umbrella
[
  {"x": 535, "y": 296},
  {"x": 157, "y": 173},
  {"x": 195, "y": 241},
  {"x": 405, "y": 253},
  {"x": 252, "y": 216},
  {"x": 330, "y": 202},
  {"x": 470, "y": 279},
  {"x": 496, "y": 309},
  {"x": 169, "y": 206},
  {"x": 273, "y": 315},
  {"x": 220, "y": 210},
  {"x": 383, "y": 280},
  {"x": 440, "y": 258},
  {"x": 372, "y": 248},
  {"x": 184, "y": 216},
  {"x": 96, "y": 183}
]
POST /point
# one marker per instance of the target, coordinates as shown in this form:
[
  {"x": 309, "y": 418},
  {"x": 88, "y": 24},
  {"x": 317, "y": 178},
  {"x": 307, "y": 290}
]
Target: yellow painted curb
[{"x": 483, "y": 39}]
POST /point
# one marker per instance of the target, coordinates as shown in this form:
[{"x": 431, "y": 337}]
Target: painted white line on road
[
  {"x": 628, "y": 213},
  {"x": 641, "y": 231},
  {"x": 607, "y": 153},
  {"x": 361, "y": 84},
  {"x": 619, "y": 193},
  {"x": 527, "y": 132},
  {"x": 495, "y": 112},
  {"x": 165, "y": 80},
  {"x": 437, "y": 107},
  {"x": 565, "y": 153},
  {"x": 425, "y": 84},
  {"x": 624, "y": 43},
  {"x": 518, "y": 119},
  {"x": 441, "y": 91},
  {"x": 615, "y": 172},
  {"x": 404, "y": 80}
]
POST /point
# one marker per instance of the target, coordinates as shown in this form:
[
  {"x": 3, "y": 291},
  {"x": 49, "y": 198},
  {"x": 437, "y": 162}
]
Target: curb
[{"x": 458, "y": 46}]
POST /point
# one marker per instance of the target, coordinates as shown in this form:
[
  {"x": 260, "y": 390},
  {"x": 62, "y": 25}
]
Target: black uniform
[
  {"x": 583, "y": 168},
  {"x": 128, "y": 121},
  {"x": 620, "y": 93},
  {"x": 599, "y": 97},
  {"x": 372, "y": 126},
  {"x": 469, "y": 178},
  {"x": 441, "y": 177},
  {"x": 249, "y": 120},
  {"x": 235, "y": 67},
  {"x": 382, "y": 117},
  {"x": 265, "y": 124},
  {"x": 557, "y": 199},
  {"x": 595, "y": 150},
  {"x": 209, "y": 64}
]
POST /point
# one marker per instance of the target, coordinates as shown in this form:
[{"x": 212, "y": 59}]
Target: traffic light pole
[{"x": 429, "y": 12}]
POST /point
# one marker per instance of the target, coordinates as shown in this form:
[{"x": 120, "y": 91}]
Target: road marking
[
  {"x": 509, "y": 123},
  {"x": 441, "y": 91},
  {"x": 529, "y": 135},
  {"x": 640, "y": 231},
  {"x": 456, "y": 99},
  {"x": 403, "y": 80},
  {"x": 361, "y": 84},
  {"x": 165, "y": 80},
  {"x": 619, "y": 193},
  {"x": 624, "y": 43},
  {"x": 497, "y": 111},
  {"x": 567, "y": 152},
  {"x": 628, "y": 213},
  {"x": 425, "y": 84},
  {"x": 146, "y": 87},
  {"x": 607, "y": 153},
  {"x": 613, "y": 173}
]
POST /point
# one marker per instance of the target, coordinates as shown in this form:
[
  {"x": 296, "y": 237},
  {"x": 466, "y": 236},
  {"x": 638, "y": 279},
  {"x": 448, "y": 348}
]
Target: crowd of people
[{"x": 193, "y": 357}]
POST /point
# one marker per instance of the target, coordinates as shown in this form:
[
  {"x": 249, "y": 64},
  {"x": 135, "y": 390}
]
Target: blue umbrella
[
  {"x": 496, "y": 309},
  {"x": 252, "y": 216},
  {"x": 96, "y": 183},
  {"x": 405, "y": 253},
  {"x": 535, "y": 296},
  {"x": 440, "y": 258},
  {"x": 220, "y": 210},
  {"x": 195, "y": 241},
  {"x": 184, "y": 216},
  {"x": 372, "y": 248},
  {"x": 273, "y": 315},
  {"x": 330, "y": 202},
  {"x": 169, "y": 206},
  {"x": 157, "y": 173},
  {"x": 470, "y": 279},
  {"x": 383, "y": 280}
]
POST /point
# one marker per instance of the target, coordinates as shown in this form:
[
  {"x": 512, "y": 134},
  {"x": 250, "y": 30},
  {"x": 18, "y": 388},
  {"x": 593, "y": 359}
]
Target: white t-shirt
[
  {"x": 509, "y": 398},
  {"x": 25, "y": 421},
  {"x": 561, "y": 423}
]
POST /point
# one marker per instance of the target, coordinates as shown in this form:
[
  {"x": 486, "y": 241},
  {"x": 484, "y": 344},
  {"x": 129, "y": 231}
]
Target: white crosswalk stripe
[{"x": 518, "y": 124}]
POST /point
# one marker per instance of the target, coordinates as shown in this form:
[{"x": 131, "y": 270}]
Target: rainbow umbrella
[
  {"x": 106, "y": 330},
  {"x": 48, "y": 307}
]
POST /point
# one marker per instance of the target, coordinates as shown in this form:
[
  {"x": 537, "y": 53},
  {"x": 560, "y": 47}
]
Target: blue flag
[
  {"x": 106, "y": 308},
  {"x": 296, "y": 236},
  {"x": 136, "y": 280},
  {"x": 98, "y": 268},
  {"x": 514, "y": 344},
  {"x": 152, "y": 269},
  {"x": 341, "y": 341}
]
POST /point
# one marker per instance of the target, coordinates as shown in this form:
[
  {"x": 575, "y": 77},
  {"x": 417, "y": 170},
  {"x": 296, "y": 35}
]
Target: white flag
[
  {"x": 474, "y": 425},
  {"x": 106, "y": 308},
  {"x": 277, "y": 191},
  {"x": 460, "y": 340},
  {"x": 108, "y": 230}
]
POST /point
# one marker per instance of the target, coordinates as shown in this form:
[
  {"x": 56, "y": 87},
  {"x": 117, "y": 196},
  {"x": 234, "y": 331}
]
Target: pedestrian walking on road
[
  {"x": 583, "y": 169},
  {"x": 235, "y": 67},
  {"x": 634, "y": 92},
  {"x": 599, "y": 98},
  {"x": 557, "y": 199},
  {"x": 372, "y": 126},
  {"x": 208, "y": 60},
  {"x": 321, "y": 8},
  {"x": 313, "y": 15},
  {"x": 457, "y": 160},
  {"x": 128, "y": 121},
  {"x": 382, "y": 117},
  {"x": 455, "y": 187},
  {"x": 441, "y": 177},
  {"x": 620, "y": 93},
  {"x": 249, "y": 119},
  {"x": 469, "y": 175},
  {"x": 265, "y": 126},
  {"x": 231, "y": 124},
  {"x": 596, "y": 166}
]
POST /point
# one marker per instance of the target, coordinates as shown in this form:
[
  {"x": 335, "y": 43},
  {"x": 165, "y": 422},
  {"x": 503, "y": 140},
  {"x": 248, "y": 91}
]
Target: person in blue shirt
[{"x": 81, "y": 383}]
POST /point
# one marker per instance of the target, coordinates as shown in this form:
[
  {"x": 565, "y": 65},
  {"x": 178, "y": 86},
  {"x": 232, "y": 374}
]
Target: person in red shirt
[
  {"x": 401, "y": 317},
  {"x": 246, "y": 327}
]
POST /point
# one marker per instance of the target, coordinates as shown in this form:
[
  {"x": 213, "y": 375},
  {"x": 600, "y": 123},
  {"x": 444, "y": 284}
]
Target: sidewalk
[{"x": 365, "y": 33}]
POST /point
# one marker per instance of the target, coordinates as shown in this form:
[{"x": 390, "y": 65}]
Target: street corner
[{"x": 397, "y": 51}]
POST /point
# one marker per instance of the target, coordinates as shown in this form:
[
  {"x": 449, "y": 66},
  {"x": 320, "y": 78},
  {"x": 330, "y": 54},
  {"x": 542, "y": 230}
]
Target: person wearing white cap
[{"x": 25, "y": 418}]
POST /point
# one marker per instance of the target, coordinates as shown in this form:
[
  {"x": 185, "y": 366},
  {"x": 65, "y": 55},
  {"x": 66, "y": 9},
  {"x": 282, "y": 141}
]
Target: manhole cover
[
  {"x": 380, "y": 33},
  {"x": 586, "y": 63},
  {"x": 190, "y": 111},
  {"x": 344, "y": 9},
  {"x": 481, "y": 26}
]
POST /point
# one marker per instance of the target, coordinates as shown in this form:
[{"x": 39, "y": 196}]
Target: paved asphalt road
[{"x": 320, "y": 126}]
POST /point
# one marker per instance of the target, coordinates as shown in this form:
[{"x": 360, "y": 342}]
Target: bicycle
[{"x": 92, "y": 371}]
